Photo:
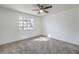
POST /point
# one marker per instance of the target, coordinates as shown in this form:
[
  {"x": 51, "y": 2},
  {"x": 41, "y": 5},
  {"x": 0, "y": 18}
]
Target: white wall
[
  {"x": 9, "y": 26},
  {"x": 63, "y": 25}
]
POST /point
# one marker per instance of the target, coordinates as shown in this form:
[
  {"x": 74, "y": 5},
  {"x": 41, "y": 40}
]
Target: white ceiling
[{"x": 27, "y": 8}]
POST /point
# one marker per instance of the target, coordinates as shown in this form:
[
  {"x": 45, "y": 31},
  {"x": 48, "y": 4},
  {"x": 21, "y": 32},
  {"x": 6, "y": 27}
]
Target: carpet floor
[{"x": 40, "y": 45}]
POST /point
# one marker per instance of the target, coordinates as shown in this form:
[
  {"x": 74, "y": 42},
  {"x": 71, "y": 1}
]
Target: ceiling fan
[{"x": 42, "y": 8}]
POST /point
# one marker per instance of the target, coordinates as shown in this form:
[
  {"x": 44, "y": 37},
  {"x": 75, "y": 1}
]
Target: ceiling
[{"x": 27, "y": 8}]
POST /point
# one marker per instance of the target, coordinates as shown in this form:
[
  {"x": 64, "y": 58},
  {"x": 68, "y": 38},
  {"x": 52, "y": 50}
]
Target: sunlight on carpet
[{"x": 41, "y": 39}]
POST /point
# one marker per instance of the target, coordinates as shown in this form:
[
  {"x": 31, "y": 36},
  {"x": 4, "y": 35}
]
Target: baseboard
[
  {"x": 22, "y": 39},
  {"x": 60, "y": 40}
]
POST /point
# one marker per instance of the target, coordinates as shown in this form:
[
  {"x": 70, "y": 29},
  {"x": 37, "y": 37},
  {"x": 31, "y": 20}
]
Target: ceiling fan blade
[
  {"x": 45, "y": 11},
  {"x": 36, "y": 10},
  {"x": 48, "y": 7},
  {"x": 40, "y": 6}
]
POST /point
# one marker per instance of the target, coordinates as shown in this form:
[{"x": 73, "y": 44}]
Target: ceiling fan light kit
[
  {"x": 41, "y": 11},
  {"x": 42, "y": 8}
]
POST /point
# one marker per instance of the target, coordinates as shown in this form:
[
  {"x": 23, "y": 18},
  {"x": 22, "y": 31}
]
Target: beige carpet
[{"x": 40, "y": 45}]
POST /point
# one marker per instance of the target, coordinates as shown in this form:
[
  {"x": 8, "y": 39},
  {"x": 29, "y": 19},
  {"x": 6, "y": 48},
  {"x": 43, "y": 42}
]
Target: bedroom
[{"x": 26, "y": 31}]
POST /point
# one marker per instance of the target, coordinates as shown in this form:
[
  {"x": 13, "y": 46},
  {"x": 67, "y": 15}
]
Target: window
[{"x": 25, "y": 23}]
